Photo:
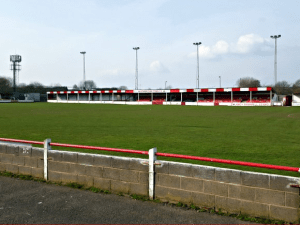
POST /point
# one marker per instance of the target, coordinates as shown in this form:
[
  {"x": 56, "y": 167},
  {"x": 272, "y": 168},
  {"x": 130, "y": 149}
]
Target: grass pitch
[{"x": 268, "y": 135}]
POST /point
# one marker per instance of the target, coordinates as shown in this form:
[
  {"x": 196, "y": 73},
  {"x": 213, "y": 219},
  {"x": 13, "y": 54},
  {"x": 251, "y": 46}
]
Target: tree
[
  {"x": 75, "y": 87},
  {"x": 89, "y": 85},
  {"x": 5, "y": 86},
  {"x": 248, "y": 82},
  {"x": 283, "y": 88},
  {"x": 123, "y": 87},
  {"x": 296, "y": 86}
]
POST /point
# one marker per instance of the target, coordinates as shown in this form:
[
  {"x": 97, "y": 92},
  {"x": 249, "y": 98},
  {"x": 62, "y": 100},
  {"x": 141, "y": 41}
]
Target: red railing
[{"x": 226, "y": 161}]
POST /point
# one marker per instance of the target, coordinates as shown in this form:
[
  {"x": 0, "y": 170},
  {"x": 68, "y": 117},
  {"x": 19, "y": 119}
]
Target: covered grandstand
[
  {"x": 253, "y": 96},
  {"x": 296, "y": 99}
]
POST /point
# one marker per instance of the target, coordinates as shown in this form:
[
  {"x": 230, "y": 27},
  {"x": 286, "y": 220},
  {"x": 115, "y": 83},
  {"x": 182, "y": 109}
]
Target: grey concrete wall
[{"x": 232, "y": 191}]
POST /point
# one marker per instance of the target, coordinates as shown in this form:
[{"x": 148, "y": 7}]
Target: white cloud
[
  {"x": 158, "y": 67},
  {"x": 246, "y": 44}
]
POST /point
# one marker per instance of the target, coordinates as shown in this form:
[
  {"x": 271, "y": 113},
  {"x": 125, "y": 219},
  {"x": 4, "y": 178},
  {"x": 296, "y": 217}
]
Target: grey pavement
[{"x": 23, "y": 201}]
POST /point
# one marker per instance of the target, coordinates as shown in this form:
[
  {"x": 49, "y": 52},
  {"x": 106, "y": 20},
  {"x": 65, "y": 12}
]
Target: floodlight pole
[
  {"x": 197, "y": 78},
  {"x": 136, "y": 68},
  {"x": 83, "y": 53},
  {"x": 220, "y": 81},
  {"x": 275, "y": 58},
  {"x": 165, "y": 85}
]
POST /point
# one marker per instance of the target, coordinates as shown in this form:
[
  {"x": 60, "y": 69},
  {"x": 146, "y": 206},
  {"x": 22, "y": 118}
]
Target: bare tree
[
  {"x": 248, "y": 82},
  {"x": 89, "y": 85},
  {"x": 123, "y": 87},
  {"x": 283, "y": 88},
  {"x": 296, "y": 86},
  {"x": 5, "y": 86}
]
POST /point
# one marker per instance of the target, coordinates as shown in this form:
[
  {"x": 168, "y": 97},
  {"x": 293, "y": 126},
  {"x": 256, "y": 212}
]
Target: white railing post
[
  {"x": 46, "y": 148},
  {"x": 152, "y": 159}
]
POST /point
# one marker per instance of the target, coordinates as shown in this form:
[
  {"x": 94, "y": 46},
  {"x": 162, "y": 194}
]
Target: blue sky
[{"x": 235, "y": 36}]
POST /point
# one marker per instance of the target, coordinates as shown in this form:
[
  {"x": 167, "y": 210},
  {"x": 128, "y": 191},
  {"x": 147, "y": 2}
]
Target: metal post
[
  {"x": 275, "y": 57},
  {"x": 46, "y": 148},
  {"x": 251, "y": 96},
  {"x": 152, "y": 159},
  {"x": 197, "y": 78},
  {"x": 220, "y": 81},
  {"x": 231, "y": 96},
  {"x": 214, "y": 96},
  {"x": 83, "y": 53},
  {"x": 166, "y": 96},
  {"x": 165, "y": 85},
  {"x": 181, "y": 97},
  {"x": 136, "y": 69}
]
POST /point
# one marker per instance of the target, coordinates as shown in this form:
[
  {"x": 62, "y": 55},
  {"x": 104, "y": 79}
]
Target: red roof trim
[
  {"x": 129, "y": 91},
  {"x": 252, "y": 88},
  {"x": 72, "y": 92},
  {"x": 190, "y": 90},
  {"x": 118, "y": 91},
  {"x": 174, "y": 90},
  {"x": 220, "y": 90},
  {"x": 236, "y": 89},
  {"x": 204, "y": 90},
  {"x": 95, "y": 92}
]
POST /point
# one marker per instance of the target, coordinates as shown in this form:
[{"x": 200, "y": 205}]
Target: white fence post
[
  {"x": 46, "y": 148},
  {"x": 152, "y": 159}
]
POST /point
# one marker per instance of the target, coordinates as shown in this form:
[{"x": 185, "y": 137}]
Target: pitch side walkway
[{"x": 24, "y": 201}]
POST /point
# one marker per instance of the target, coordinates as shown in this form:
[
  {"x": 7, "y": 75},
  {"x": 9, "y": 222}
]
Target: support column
[
  {"x": 89, "y": 96},
  {"x": 151, "y": 97},
  {"x": 250, "y": 96},
  {"x": 152, "y": 159},
  {"x": 112, "y": 97},
  {"x": 214, "y": 96},
  {"x": 197, "y": 96},
  {"x": 46, "y": 148},
  {"x": 231, "y": 96},
  {"x": 181, "y": 97},
  {"x": 78, "y": 97},
  {"x": 67, "y": 97},
  {"x": 166, "y": 96},
  {"x": 101, "y": 96},
  {"x": 138, "y": 96}
]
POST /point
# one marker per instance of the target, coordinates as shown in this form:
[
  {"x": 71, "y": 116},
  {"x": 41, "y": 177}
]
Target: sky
[{"x": 235, "y": 37}]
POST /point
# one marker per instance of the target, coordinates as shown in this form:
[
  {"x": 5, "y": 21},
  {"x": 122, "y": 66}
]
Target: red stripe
[
  {"x": 269, "y": 89},
  {"x": 204, "y": 90},
  {"x": 220, "y": 90},
  {"x": 253, "y": 89},
  {"x": 72, "y": 92},
  {"x": 65, "y": 92},
  {"x": 22, "y": 141},
  {"x": 118, "y": 91},
  {"x": 226, "y": 161},
  {"x": 51, "y": 92},
  {"x": 110, "y": 91},
  {"x": 174, "y": 91},
  {"x": 286, "y": 168},
  {"x": 101, "y": 148},
  {"x": 94, "y": 92},
  {"x": 129, "y": 91},
  {"x": 58, "y": 92},
  {"x": 102, "y": 91},
  {"x": 190, "y": 90},
  {"x": 87, "y": 92},
  {"x": 236, "y": 89},
  {"x": 79, "y": 92}
]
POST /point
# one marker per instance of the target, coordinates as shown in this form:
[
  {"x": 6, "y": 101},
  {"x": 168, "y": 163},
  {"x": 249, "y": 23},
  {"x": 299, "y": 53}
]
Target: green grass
[{"x": 255, "y": 134}]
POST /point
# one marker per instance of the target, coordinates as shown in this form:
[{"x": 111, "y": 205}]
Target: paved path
[{"x": 23, "y": 201}]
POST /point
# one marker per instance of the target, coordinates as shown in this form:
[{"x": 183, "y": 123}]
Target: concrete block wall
[
  {"x": 116, "y": 174},
  {"x": 232, "y": 191}
]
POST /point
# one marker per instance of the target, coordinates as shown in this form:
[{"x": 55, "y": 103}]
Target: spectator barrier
[{"x": 233, "y": 191}]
